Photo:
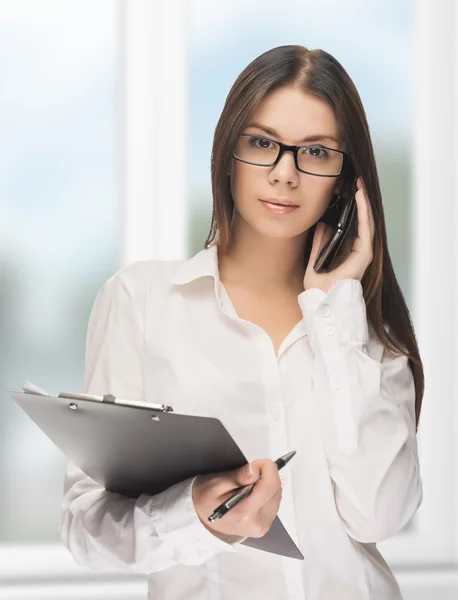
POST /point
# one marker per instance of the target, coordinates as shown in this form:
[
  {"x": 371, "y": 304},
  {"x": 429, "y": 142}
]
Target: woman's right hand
[{"x": 252, "y": 516}]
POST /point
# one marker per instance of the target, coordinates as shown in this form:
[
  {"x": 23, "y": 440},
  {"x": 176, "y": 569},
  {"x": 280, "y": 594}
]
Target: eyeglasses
[{"x": 314, "y": 160}]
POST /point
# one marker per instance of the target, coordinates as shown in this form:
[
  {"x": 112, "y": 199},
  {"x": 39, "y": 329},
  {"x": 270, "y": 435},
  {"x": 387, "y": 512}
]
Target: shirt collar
[
  {"x": 205, "y": 264},
  {"x": 202, "y": 264}
]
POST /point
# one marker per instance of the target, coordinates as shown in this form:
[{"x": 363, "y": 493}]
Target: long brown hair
[{"x": 320, "y": 74}]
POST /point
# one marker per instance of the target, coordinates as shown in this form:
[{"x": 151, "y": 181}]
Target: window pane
[{"x": 58, "y": 228}]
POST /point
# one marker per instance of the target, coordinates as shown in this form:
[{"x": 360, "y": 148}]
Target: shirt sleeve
[
  {"x": 105, "y": 530},
  {"x": 366, "y": 401}
]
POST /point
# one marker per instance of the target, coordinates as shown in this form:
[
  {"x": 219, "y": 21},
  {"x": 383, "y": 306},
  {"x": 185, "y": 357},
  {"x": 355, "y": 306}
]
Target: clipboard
[{"x": 118, "y": 443}]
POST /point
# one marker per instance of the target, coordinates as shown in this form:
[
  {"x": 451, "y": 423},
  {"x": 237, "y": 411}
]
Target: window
[{"x": 67, "y": 131}]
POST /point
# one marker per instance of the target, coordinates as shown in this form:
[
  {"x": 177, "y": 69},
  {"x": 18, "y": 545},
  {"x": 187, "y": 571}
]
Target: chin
[{"x": 282, "y": 232}]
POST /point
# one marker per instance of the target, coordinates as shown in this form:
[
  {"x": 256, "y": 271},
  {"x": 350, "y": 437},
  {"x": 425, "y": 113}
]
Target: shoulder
[{"x": 139, "y": 279}]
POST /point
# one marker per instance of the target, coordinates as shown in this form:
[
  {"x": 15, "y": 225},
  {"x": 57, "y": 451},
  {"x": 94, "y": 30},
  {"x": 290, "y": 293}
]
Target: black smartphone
[{"x": 342, "y": 222}]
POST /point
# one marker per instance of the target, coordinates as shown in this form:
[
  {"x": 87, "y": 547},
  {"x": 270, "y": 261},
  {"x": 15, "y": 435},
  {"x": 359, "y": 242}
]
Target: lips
[
  {"x": 279, "y": 209},
  {"x": 279, "y": 203}
]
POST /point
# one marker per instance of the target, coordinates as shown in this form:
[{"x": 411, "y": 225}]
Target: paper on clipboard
[{"x": 31, "y": 388}]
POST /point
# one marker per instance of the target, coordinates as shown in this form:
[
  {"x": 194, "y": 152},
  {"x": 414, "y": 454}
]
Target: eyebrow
[{"x": 309, "y": 138}]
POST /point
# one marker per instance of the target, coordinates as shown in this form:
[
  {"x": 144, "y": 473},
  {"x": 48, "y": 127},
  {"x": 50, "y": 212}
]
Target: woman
[{"x": 325, "y": 363}]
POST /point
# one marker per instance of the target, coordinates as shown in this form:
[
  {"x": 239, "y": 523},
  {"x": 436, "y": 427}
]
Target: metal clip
[{"x": 109, "y": 398}]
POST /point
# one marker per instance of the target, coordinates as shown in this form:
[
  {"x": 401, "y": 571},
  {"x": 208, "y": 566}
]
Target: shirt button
[
  {"x": 336, "y": 383},
  {"x": 330, "y": 329},
  {"x": 276, "y": 414},
  {"x": 325, "y": 310}
]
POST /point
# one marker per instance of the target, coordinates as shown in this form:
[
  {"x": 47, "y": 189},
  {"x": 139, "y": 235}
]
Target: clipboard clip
[{"x": 111, "y": 399}]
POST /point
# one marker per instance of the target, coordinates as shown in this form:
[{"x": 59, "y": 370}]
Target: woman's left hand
[{"x": 360, "y": 256}]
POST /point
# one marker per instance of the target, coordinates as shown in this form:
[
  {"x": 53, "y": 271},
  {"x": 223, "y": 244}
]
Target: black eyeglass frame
[{"x": 294, "y": 150}]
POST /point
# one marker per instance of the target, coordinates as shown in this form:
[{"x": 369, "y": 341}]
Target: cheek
[
  {"x": 319, "y": 188},
  {"x": 245, "y": 182}
]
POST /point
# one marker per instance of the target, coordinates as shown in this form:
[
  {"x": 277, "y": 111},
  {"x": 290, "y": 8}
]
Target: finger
[
  {"x": 364, "y": 229},
  {"x": 265, "y": 488},
  {"x": 242, "y": 476},
  {"x": 368, "y": 206},
  {"x": 361, "y": 185},
  {"x": 371, "y": 215}
]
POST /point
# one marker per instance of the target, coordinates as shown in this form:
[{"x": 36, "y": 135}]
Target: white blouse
[{"x": 166, "y": 332}]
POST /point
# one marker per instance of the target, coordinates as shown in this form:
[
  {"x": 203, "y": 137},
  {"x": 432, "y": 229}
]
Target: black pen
[{"x": 245, "y": 490}]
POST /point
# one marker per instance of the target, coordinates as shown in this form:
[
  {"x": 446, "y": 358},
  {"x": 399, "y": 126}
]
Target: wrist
[{"x": 225, "y": 537}]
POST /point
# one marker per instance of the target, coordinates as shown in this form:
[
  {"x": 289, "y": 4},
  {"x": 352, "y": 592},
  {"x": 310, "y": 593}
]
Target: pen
[{"x": 245, "y": 490}]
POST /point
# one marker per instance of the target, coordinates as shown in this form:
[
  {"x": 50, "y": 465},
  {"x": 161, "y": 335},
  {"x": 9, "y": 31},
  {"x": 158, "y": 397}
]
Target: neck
[{"x": 262, "y": 264}]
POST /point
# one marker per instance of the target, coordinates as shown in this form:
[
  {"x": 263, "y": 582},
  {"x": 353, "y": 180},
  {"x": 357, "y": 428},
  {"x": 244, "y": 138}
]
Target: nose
[{"x": 285, "y": 169}]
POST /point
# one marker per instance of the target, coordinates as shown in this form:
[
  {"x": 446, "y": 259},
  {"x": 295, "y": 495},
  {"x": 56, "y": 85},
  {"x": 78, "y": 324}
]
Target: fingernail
[{"x": 249, "y": 470}]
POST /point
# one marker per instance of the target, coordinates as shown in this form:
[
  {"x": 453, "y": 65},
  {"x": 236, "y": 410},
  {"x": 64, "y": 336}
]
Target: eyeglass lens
[{"x": 314, "y": 159}]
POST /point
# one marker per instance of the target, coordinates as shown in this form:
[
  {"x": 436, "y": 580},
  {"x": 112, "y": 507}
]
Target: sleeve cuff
[
  {"x": 177, "y": 522},
  {"x": 341, "y": 311}
]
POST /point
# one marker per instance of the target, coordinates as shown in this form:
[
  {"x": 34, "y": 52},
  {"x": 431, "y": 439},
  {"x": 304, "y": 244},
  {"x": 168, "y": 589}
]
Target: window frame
[
  {"x": 151, "y": 116},
  {"x": 432, "y": 541}
]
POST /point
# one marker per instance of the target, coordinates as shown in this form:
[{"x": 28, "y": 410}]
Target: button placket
[{"x": 276, "y": 423}]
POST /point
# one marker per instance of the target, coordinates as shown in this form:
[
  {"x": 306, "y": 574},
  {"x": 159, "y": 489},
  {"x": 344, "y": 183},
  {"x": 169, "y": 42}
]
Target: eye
[
  {"x": 264, "y": 142},
  {"x": 315, "y": 150}
]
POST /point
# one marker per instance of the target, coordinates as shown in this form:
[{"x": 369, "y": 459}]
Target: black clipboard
[{"x": 118, "y": 442}]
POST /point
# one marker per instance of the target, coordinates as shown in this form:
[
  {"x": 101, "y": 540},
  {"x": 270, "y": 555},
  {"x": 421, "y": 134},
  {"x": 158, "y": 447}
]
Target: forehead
[{"x": 294, "y": 114}]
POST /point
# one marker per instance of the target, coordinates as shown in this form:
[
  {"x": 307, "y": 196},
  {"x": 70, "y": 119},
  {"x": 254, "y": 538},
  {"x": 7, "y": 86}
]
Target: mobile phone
[{"x": 342, "y": 224}]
